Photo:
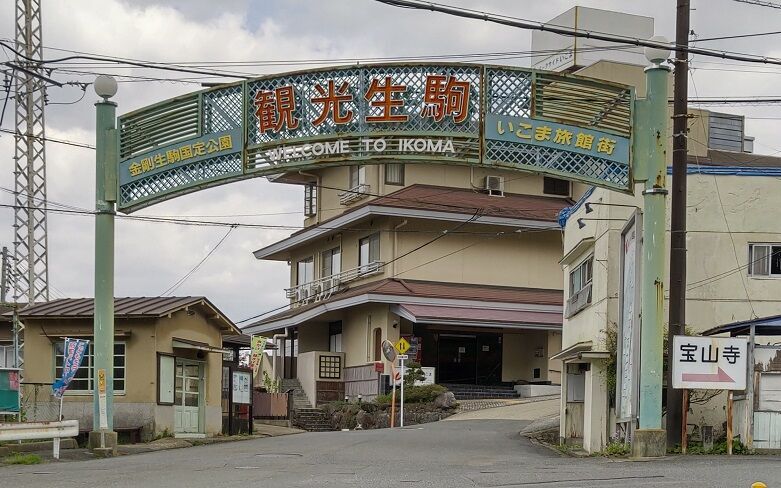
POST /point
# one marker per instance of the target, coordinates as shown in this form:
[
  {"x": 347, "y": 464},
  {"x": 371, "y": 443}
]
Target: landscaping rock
[{"x": 445, "y": 400}]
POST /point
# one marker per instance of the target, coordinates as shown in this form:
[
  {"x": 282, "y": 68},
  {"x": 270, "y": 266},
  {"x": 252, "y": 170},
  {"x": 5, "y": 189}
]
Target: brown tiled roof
[
  {"x": 463, "y": 200},
  {"x": 435, "y": 289},
  {"x": 125, "y": 308}
]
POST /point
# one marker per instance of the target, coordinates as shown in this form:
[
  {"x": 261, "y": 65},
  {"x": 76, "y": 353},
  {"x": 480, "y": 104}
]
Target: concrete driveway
[{"x": 456, "y": 453}]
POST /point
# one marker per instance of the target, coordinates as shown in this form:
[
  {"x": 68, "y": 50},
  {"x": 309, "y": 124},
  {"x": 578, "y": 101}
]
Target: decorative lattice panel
[
  {"x": 399, "y": 112},
  {"x": 508, "y": 92},
  {"x": 223, "y": 109},
  {"x": 537, "y": 158},
  {"x": 183, "y": 177}
]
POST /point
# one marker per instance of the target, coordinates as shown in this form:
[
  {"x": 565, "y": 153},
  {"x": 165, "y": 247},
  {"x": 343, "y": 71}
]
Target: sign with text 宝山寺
[
  {"x": 709, "y": 363},
  {"x": 448, "y": 113}
]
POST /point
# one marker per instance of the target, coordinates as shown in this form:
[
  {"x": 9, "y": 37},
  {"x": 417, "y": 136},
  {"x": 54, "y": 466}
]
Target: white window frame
[
  {"x": 310, "y": 260},
  {"x": 328, "y": 256},
  {"x": 368, "y": 240},
  {"x": 310, "y": 199},
  {"x": 755, "y": 263},
  {"x": 357, "y": 176},
  {"x": 399, "y": 168},
  {"x": 588, "y": 265},
  {"x": 86, "y": 365}
]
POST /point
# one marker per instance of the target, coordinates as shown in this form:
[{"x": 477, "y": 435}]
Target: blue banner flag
[{"x": 73, "y": 355}]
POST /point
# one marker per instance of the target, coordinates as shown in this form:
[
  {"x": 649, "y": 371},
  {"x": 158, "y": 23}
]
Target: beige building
[
  {"x": 461, "y": 261},
  {"x": 732, "y": 271},
  {"x": 167, "y": 364}
]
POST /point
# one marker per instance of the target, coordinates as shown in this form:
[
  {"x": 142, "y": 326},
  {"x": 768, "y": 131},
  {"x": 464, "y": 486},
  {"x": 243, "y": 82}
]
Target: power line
[
  {"x": 760, "y": 3},
  {"x": 49, "y": 139},
  {"x": 571, "y": 32},
  {"x": 195, "y": 268}
]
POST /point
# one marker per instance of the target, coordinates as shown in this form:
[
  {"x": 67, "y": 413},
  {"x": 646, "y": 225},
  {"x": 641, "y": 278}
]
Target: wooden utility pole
[{"x": 677, "y": 317}]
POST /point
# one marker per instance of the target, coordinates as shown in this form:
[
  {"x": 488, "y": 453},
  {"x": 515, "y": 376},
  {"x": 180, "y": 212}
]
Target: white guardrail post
[{"x": 40, "y": 430}]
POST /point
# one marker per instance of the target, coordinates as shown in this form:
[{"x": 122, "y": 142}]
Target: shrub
[{"x": 414, "y": 394}]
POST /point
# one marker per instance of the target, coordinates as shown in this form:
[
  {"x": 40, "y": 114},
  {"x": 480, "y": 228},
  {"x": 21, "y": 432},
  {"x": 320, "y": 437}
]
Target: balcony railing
[
  {"x": 322, "y": 289},
  {"x": 354, "y": 194}
]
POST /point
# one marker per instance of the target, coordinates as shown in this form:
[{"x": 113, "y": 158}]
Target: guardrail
[{"x": 40, "y": 430}]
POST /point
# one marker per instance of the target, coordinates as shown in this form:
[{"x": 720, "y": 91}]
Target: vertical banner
[
  {"x": 72, "y": 357},
  {"x": 627, "y": 385},
  {"x": 257, "y": 345}
]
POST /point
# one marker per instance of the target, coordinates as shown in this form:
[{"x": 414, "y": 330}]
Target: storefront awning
[
  {"x": 581, "y": 351},
  {"x": 199, "y": 346},
  {"x": 479, "y": 317}
]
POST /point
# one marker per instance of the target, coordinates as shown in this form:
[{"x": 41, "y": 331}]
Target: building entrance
[{"x": 469, "y": 358}]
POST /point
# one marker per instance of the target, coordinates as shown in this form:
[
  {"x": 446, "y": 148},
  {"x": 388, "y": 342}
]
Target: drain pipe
[
  {"x": 276, "y": 351},
  {"x": 396, "y": 243}
]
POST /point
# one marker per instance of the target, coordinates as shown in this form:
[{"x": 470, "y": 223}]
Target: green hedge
[{"x": 414, "y": 394}]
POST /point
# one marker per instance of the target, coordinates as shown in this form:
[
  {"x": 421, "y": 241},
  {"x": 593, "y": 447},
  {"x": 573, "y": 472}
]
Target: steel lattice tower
[{"x": 30, "y": 239}]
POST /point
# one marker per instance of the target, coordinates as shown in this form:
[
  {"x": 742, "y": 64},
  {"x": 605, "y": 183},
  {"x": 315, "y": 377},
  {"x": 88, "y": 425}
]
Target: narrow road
[{"x": 462, "y": 452}]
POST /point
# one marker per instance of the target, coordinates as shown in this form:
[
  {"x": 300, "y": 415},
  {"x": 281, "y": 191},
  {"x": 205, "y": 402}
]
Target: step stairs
[
  {"x": 481, "y": 392},
  {"x": 300, "y": 399},
  {"x": 312, "y": 420}
]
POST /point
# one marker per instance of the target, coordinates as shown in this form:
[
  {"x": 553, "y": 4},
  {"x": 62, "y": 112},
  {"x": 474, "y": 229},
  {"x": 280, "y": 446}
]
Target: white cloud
[{"x": 150, "y": 257}]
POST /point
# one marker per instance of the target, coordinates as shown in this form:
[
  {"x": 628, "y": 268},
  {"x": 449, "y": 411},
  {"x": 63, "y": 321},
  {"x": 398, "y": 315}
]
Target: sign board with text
[
  {"x": 448, "y": 113},
  {"x": 709, "y": 363}
]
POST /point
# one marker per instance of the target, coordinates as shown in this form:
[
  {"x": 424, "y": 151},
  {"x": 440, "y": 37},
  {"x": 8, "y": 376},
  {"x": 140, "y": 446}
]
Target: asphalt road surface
[{"x": 459, "y": 453}]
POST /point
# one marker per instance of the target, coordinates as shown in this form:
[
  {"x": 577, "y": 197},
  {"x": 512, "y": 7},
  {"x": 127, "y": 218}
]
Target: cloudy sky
[{"x": 150, "y": 256}]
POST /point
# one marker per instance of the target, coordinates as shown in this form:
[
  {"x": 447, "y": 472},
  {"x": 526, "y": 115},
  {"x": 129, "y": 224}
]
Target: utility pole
[
  {"x": 103, "y": 439},
  {"x": 651, "y": 130},
  {"x": 30, "y": 240},
  {"x": 677, "y": 312}
]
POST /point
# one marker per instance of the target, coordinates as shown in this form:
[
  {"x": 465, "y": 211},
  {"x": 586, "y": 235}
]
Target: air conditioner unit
[{"x": 494, "y": 185}]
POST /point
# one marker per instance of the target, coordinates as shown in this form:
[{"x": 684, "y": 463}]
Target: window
[
  {"x": 7, "y": 356},
  {"x": 764, "y": 259},
  {"x": 83, "y": 382},
  {"x": 305, "y": 271},
  {"x": 555, "y": 186},
  {"x": 394, "y": 174},
  {"x": 331, "y": 262},
  {"x": 310, "y": 199},
  {"x": 378, "y": 344},
  {"x": 357, "y": 176},
  {"x": 335, "y": 337},
  {"x": 580, "y": 277},
  {"x": 369, "y": 250}
]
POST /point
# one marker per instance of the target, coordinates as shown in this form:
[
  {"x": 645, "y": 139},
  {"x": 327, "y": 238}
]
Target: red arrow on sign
[{"x": 720, "y": 377}]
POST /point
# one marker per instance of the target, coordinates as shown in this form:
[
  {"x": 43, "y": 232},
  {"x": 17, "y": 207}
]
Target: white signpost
[{"x": 709, "y": 363}]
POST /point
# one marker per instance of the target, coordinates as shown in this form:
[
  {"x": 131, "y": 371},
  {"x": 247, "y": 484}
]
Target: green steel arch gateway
[{"x": 466, "y": 114}]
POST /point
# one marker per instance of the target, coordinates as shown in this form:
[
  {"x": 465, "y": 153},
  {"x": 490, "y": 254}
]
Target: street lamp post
[
  {"x": 103, "y": 439},
  {"x": 650, "y": 439}
]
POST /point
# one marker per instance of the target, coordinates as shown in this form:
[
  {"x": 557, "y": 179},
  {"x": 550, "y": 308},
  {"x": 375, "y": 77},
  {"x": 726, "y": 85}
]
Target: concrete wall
[
  {"x": 137, "y": 406},
  {"x": 313, "y": 337},
  {"x": 358, "y": 327},
  {"x": 518, "y": 356}
]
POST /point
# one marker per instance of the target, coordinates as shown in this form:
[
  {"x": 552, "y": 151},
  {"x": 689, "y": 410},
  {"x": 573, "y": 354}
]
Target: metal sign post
[
  {"x": 389, "y": 351},
  {"x": 402, "y": 358}
]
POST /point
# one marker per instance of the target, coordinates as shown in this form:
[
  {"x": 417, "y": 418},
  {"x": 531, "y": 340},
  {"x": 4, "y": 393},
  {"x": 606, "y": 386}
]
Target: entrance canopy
[
  {"x": 468, "y": 114},
  {"x": 479, "y": 317}
]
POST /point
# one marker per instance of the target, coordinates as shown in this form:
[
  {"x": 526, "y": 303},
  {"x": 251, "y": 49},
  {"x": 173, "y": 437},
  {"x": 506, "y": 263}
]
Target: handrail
[{"x": 323, "y": 288}]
